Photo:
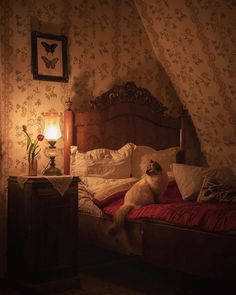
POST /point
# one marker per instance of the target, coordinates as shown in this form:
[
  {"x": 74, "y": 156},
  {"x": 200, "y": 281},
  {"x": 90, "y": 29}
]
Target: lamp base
[{"x": 52, "y": 171}]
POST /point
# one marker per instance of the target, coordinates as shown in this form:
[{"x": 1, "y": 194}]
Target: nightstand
[{"x": 42, "y": 235}]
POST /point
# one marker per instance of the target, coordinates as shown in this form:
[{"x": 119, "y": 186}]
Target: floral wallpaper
[
  {"x": 182, "y": 51},
  {"x": 107, "y": 44},
  {"x": 195, "y": 40}
]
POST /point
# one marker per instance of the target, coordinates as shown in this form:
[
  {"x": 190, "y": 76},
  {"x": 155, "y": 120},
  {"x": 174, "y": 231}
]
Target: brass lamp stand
[{"x": 51, "y": 154}]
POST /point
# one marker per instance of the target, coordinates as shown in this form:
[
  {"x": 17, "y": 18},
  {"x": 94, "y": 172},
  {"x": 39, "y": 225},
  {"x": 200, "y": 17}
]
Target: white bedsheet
[{"x": 100, "y": 188}]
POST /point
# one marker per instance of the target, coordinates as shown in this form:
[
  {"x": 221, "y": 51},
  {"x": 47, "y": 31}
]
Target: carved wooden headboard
[{"x": 125, "y": 113}]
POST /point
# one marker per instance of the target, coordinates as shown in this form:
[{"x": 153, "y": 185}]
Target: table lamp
[{"x": 52, "y": 133}]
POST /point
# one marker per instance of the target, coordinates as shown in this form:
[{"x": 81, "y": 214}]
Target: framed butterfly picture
[{"x": 49, "y": 57}]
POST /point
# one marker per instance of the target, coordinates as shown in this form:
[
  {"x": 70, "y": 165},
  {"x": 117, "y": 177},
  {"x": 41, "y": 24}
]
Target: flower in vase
[{"x": 32, "y": 147}]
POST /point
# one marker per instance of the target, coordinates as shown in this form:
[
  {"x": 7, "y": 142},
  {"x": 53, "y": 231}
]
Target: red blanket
[{"x": 220, "y": 217}]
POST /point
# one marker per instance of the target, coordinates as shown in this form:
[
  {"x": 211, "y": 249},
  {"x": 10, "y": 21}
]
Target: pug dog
[{"x": 144, "y": 192}]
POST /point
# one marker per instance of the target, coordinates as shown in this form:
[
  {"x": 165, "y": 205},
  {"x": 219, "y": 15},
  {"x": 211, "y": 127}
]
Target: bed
[{"x": 178, "y": 233}]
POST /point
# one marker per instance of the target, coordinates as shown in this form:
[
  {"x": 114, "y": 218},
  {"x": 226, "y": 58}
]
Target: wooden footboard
[
  {"x": 186, "y": 250},
  {"x": 200, "y": 253}
]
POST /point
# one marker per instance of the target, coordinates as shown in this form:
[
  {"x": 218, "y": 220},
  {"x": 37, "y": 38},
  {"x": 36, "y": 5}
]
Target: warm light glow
[{"x": 52, "y": 129}]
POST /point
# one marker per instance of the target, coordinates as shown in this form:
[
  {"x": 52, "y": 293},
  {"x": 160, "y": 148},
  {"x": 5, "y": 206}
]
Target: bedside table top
[
  {"x": 60, "y": 183},
  {"x": 43, "y": 176}
]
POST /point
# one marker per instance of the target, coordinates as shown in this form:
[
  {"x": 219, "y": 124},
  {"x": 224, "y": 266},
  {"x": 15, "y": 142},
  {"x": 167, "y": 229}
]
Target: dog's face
[{"x": 153, "y": 168}]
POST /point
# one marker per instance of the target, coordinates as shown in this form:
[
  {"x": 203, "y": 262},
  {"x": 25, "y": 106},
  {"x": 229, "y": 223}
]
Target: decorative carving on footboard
[{"x": 127, "y": 93}]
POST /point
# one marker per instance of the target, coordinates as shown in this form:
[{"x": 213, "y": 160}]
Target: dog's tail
[{"x": 119, "y": 218}]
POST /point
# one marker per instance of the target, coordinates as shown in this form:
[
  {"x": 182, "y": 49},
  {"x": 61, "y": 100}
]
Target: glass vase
[{"x": 32, "y": 167}]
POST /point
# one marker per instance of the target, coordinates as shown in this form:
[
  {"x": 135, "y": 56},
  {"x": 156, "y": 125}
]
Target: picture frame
[{"x": 49, "y": 57}]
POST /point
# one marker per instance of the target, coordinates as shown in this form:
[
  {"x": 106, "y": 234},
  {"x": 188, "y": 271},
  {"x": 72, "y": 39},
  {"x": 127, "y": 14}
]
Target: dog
[{"x": 144, "y": 192}]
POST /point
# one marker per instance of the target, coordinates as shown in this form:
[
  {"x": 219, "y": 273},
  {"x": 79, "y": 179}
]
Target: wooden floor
[{"x": 103, "y": 273}]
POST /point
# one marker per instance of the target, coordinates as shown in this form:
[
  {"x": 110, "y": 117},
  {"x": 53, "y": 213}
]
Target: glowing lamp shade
[{"x": 52, "y": 129}]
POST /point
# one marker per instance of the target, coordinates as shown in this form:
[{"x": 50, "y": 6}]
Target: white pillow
[
  {"x": 189, "y": 178},
  {"x": 143, "y": 154},
  {"x": 102, "y": 188},
  {"x": 102, "y": 162}
]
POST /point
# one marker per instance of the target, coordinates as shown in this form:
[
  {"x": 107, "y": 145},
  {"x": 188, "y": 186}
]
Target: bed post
[
  {"x": 182, "y": 139},
  {"x": 68, "y": 135}
]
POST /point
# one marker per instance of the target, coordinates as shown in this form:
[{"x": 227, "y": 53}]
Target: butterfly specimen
[
  {"x": 50, "y": 48},
  {"x": 50, "y": 63}
]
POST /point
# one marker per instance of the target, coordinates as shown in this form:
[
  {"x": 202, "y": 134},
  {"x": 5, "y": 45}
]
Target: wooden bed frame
[{"x": 128, "y": 113}]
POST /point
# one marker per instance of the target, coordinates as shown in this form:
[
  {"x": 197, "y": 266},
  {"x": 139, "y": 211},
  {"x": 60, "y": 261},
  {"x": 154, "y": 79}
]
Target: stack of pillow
[
  {"x": 129, "y": 160},
  {"x": 106, "y": 172},
  {"x": 195, "y": 183},
  {"x": 105, "y": 163}
]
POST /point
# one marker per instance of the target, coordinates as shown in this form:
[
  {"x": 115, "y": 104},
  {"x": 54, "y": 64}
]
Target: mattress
[{"x": 220, "y": 218}]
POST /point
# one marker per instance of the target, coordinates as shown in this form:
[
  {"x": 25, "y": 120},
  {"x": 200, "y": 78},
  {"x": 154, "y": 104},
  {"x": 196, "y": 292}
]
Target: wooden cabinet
[{"x": 42, "y": 234}]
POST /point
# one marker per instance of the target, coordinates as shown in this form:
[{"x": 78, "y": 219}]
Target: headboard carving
[
  {"x": 127, "y": 93},
  {"x": 125, "y": 113}
]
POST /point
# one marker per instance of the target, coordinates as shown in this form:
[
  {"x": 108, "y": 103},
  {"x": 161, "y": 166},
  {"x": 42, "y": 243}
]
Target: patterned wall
[
  {"x": 107, "y": 44},
  {"x": 195, "y": 42}
]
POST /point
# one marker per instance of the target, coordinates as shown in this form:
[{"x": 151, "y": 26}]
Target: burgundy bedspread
[{"x": 220, "y": 217}]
